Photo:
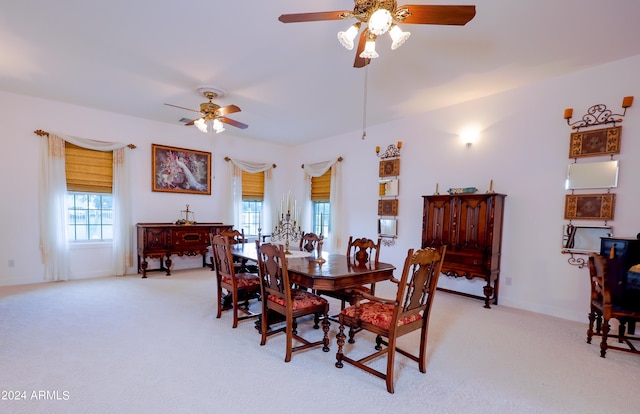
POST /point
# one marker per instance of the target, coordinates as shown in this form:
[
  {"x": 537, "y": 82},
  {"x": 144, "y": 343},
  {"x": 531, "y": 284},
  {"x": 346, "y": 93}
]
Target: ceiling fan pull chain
[{"x": 364, "y": 106}]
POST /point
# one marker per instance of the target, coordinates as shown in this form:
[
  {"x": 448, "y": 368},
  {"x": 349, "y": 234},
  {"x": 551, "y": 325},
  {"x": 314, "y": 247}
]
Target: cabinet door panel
[
  {"x": 473, "y": 224},
  {"x": 437, "y": 222}
]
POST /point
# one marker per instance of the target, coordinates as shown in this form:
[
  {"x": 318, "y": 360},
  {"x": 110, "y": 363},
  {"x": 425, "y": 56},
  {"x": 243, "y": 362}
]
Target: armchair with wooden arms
[
  {"x": 279, "y": 296},
  {"x": 608, "y": 301},
  {"x": 360, "y": 252},
  {"x": 240, "y": 286},
  {"x": 390, "y": 319}
]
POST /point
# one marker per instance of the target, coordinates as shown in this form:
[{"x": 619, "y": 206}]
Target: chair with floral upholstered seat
[
  {"x": 390, "y": 319},
  {"x": 280, "y": 297},
  {"x": 240, "y": 286}
]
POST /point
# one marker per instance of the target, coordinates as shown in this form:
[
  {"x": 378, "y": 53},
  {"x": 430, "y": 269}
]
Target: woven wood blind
[
  {"x": 252, "y": 185},
  {"x": 321, "y": 187},
  {"x": 87, "y": 170}
]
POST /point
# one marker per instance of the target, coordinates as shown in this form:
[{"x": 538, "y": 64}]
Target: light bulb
[
  {"x": 380, "y": 21},
  {"x": 346, "y": 37},
  {"x": 201, "y": 124},
  {"x": 369, "y": 51},
  {"x": 397, "y": 36}
]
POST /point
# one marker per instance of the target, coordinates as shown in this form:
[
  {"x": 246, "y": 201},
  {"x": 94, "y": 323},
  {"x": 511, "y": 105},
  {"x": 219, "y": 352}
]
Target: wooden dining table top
[{"x": 336, "y": 272}]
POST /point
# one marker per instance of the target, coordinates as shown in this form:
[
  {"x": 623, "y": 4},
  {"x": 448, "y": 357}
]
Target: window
[
  {"x": 90, "y": 216},
  {"x": 89, "y": 199},
  {"x": 252, "y": 197},
  {"x": 320, "y": 194}
]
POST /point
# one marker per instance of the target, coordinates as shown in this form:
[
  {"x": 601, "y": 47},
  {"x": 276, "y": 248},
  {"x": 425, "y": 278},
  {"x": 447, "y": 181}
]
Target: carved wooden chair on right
[
  {"x": 240, "y": 286},
  {"x": 279, "y": 296},
  {"x": 608, "y": 303},
  {"x": 390, "y": 319}
]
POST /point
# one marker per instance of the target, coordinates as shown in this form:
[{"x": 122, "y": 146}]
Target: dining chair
[
  {"x": 608, "y": 303},
  {"x": 390, "y": 319},
  {"x": 360, "y": 252},
  {"x": 310, "y": 242},
  {"x": 240, "y": 286},
  {"x": 280, "y": 297}
]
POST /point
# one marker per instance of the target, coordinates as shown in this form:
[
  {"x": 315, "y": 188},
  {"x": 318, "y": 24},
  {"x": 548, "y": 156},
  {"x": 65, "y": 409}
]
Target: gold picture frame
[
  {"x": 389, "y": 168},
  {"x": 589, "y": 206},
  {"x": 388, "y": 207},
  {"x": 604, "y": 141},
  {"x": 179, "y": 170}
]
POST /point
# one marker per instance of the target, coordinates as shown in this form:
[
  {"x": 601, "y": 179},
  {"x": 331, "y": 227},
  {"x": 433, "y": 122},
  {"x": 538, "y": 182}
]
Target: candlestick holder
[{"x": 287, "y": 230}]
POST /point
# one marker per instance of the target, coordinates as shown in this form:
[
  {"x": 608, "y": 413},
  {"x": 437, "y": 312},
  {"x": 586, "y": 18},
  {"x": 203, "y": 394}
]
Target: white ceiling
[{"x": 294, "y": 82}]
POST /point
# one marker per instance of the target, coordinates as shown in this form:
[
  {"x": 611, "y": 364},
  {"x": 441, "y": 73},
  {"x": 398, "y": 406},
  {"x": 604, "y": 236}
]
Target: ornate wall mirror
[
  {"x": 389, "y": 187},
  {"x": 584, "y": 239},
  {"x": 592, "y": 175},
  {"x": 387, "y": 227}
]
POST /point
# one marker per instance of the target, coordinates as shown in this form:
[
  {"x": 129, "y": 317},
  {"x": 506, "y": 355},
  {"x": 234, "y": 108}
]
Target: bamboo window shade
[
  {"x": 88, "y": 170},
  {"x": 252, "y": 186},
  {"x": 321, "y": 187}
]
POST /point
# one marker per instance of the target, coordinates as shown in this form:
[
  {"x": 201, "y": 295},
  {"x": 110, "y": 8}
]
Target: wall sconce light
[
  {"x": 598, "y": 115},
  {"x": 469, "y": 137},
  {"x": 391, "y": 151}
]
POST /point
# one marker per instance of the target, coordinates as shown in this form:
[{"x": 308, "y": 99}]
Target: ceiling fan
[
  {"x": 382, "y": 16},
  {"x": 213, "y": 113}
]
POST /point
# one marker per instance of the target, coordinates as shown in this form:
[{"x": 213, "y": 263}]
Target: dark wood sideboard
[
  {"x": 161, "y": 240},
  {"x": 470, "y": 225}
]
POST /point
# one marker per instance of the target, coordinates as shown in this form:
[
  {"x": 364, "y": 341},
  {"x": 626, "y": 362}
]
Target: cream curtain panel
[
  {"x": 333, "y": 241},
  {"x": 235, "y": 174},
  {"x": 54, "y": 246}
]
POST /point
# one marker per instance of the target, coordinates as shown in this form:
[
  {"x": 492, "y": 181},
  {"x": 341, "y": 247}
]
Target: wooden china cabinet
[{"x": 471, "y": 227}]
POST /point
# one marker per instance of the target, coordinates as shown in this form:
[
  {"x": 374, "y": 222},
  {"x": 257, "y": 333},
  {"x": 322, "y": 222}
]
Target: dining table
[{"x": 329, "y": 271}]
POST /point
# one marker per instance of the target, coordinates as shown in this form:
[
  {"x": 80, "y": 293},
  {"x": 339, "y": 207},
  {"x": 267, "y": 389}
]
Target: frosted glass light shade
[
  {"x": 380, "y": 21},
  {"x": 369, "y": 51},
  {"x": 346, "y": 38},
  {"x": 201, "y": 124},
  {"x": 398, "y": 37},
  {"x": 218, "y": 126}
]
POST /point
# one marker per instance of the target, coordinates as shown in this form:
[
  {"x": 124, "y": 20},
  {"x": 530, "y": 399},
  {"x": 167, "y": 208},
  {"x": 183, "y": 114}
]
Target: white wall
[
  {"x": 523, "y": 147},
  {"x": 19, "y": 247}
]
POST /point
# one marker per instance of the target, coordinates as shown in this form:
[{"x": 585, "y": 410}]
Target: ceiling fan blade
[
  {"x": 182, "y": 107},
  {"x": 312, "y": 17},
  {"x": 361, "y": 62},
  {"x": 451, "y": 15},
  {"x": 231, "y": 122},
  {"x": 190, "y": 123},
  {"x": 229, "y": 109}
]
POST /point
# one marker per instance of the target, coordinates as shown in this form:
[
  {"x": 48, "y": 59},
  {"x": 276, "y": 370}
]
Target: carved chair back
[
  {"x": 310, "y": 242},
  {"x": 363, "y": 250}
]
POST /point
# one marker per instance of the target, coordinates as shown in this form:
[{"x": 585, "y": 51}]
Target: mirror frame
[
  {"x": 588, "y": 238},
  {"x": 588, "y": 175},
  {"x": 389, "y": 187},
  {"x": 388, "y": 227}
]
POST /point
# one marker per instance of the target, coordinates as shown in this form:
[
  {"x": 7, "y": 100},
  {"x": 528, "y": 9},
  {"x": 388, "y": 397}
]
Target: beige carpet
[{"x": 128, "y": 345}]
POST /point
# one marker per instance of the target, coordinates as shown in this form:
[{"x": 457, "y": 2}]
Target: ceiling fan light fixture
[
  {"x": 398, "y": 37},
  {"x": 201, "y": 124},
  {"x": 218, "y": 126},
  {"x": 380, "y": 22},
  {"x": 369, "y": 51},
  {"x": 346, "y": 38}
]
